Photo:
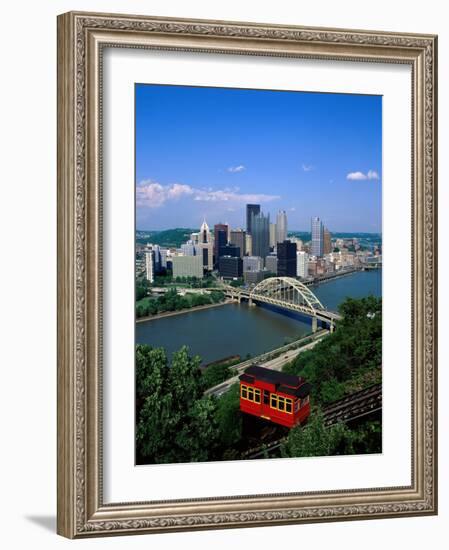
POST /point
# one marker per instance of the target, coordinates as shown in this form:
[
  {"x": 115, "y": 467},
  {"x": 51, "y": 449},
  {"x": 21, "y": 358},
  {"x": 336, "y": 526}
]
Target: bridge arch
[{"x": 287, "y": 289}]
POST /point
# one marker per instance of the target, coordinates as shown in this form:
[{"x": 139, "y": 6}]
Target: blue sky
[{"x": 206, "y": 152}]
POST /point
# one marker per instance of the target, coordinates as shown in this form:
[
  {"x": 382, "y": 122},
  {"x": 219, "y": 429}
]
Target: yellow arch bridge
[{"x": 286, "y": 293}]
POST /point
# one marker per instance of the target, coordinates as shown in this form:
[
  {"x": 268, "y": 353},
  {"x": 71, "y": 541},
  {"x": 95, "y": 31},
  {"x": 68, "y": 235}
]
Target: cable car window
[
  {"x": 266, "y": 397},
  {"x": 257, "y": 396},
  {"x": 244, "y": 393},
  {"x": 250, "y": 394},
  {"x": 273, "y": 401},
  {"x": 288, "y": 406},
  {"x": 281, "y": 403}
]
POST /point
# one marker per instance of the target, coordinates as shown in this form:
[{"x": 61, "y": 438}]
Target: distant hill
[
  {"x": 306, "y": 235},
  {"x": 173, "y": 238}
]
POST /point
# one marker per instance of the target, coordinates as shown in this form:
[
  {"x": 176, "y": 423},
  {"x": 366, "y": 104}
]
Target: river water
[{"x": 237, "y": 329}]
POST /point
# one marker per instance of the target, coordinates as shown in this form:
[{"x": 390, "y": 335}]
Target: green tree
[
  {"x": 229, "y": 420},
  {"x": 175, "y": 423},
  {"x": 315, "y": 439},
  {"x": 215, "y": 374},
  {"x": 353, "y": 351}
]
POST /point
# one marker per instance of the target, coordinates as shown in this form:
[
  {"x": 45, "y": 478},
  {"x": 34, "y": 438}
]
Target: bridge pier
[
  {"x": 331, "y": 328},
  {"x": 250, "y": 302},
  {"x": 314, "y": 324}
]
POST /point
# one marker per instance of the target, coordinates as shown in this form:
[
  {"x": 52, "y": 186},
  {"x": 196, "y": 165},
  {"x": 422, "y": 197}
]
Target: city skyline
[{"x": 207, "y": 152}]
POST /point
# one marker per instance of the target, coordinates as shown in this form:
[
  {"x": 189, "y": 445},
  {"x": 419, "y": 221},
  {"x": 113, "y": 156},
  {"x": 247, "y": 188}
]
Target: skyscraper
[
  {"x": 286, "y": 253},
  {"x": 220, "y": 239},
  {"x": 149, "y": 265},
  {"x": 251, "y": 210},
  {"x": 327, "y": 242},
  {"x": 272, "y": 235},
  {"x": 238, "y": 238},
  {"x": 248, "y": 244},
  {"x": 281, "y": 226},
  {"x": 302, "y": 259},
  {"x": 229, "y": 250},
  {"x": 317, "y": 237},
  {"x": 205, "y": 236},
  {"x": 260, "y": 231}
]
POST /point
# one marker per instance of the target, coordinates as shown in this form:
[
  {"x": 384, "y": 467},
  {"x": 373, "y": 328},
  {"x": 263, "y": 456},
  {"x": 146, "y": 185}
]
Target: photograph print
[{"x": 258, "y": 274}]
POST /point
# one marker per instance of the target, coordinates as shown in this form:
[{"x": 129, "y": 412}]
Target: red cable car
[{"x": 275, "y": 396}]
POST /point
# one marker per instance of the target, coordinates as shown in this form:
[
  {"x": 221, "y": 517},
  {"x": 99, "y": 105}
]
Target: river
[{"x": 237, "y": 329}]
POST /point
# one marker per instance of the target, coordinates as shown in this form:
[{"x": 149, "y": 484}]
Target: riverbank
[{"x": 181, "y": 311}]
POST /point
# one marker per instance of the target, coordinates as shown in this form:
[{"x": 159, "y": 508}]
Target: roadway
[{"x": 274, "y": 364}]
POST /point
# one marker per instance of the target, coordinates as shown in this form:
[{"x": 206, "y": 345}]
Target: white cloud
[
  {"x": 360, "y": 176},
  {"x": 234, "y": 169},
  {"x": 308, "y": 167},
  {"x": 153, "y": 194}
]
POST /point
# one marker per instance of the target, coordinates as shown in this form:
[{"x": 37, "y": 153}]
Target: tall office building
[
  {"x": 327, "y": 242},
  {"x": 229, "y": 250},
  {"x": 220, "y": 239},
  {"x": 272, "y": 235},
  {"x": 317, "y": 237},
  {"x": 205, "y": 236},
  {"x": 238, "y": 238},
  {"x": 206, "y": 251},
  {"x": 286, "y": 253},
  {"x": 163, "y": 252},
  {"x": 149, "y": 266},
  {"x": 281, "y": 226},
  {"x": 302, "y": 259},
  {"x": 260, "y": 232},
  {"x": 157, "y": 258},
  {"x": 248, "y": 244},
  {"x": 251, "y": 210}
]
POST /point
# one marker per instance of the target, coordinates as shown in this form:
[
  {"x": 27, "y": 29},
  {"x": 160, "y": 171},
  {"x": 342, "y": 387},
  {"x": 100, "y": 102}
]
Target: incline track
[{"x": 351, "y": 407}]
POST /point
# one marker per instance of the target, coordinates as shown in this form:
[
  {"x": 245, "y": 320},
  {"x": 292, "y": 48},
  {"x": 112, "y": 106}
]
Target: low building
[
  {"x": 252, "y": 263},
  {"x": 271, "y": 263},
  {"x": 230, "y": 267},
  {"x": 187, "y": 266},
  {"x": 253, "y": 277}
]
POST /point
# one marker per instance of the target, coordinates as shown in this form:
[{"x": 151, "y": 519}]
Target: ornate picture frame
[{"x": 82, "y": 38}]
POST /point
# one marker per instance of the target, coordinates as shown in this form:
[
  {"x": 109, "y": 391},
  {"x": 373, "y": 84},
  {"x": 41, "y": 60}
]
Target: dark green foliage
[
  {"x": 215, "y": 374},
  {"x": 175, "y": 423},
  {"x": 169, "y": 238},
  {"x": 315, "y": 439},
  {"x": 173, "y": 301},
  {"x": 353, "y": 353},
  {"x": 142, "y": 286},
  {"x": 237, "y": 282},
  {"x": 229, "y": 421},
  {"x": 365, "y": 438}
]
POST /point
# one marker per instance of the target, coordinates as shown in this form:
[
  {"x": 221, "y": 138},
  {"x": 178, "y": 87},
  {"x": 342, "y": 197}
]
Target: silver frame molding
[{"x": 81, "y": 38}]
